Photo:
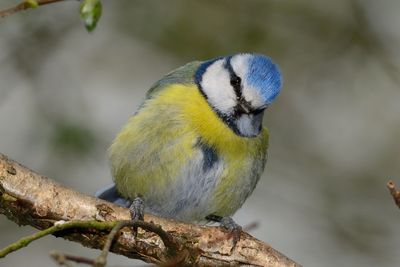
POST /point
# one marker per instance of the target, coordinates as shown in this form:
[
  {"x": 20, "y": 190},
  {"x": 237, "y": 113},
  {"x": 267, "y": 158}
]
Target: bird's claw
[
  {"x": 137, "y": 209},
  {"x": 235, "y": 230},
  {"x": 230, "y": 225}
]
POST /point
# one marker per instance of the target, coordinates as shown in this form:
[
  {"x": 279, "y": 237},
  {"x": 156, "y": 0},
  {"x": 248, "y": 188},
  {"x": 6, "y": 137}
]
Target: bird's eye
[{"x": 235, "y": 81}]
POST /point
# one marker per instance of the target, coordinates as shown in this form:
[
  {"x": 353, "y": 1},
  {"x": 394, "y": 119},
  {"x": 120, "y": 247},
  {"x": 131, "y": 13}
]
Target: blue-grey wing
[
  {"x": 110, "y": 194},
  {"x": 182, "y": 75}
]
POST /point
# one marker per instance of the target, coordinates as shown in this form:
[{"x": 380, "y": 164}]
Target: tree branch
[
  {"x": 28, "y": 198},
  {"x": 394, "y": 192},
  {"x": 26, "y": 5}
]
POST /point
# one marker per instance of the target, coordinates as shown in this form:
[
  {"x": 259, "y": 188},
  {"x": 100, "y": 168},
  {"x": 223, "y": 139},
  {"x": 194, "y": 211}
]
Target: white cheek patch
[
  {"x": 253, "y": 96},
  {"x": 216, "y": 85}
]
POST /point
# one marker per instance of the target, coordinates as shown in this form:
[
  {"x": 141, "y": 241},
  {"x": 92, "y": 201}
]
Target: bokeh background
[{"x": 335, "y": 128}]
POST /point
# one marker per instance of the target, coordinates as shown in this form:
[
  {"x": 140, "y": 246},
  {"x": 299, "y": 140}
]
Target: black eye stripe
[
  {"x": 236, "y": 83},
  {"x": 235, "y": 80}
]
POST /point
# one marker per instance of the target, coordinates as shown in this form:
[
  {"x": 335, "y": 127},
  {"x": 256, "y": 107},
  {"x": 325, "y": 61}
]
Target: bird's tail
[{"x": 111, "y": 194}]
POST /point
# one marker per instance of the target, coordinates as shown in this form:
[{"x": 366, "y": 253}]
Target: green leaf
[
  {"x": 90, "y": 11},
  {"x": 31, "y": 3}
]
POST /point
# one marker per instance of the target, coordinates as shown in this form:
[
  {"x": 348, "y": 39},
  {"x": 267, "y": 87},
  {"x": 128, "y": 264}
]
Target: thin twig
[
  {"x": 24, "y": 6},
  {"x": 62, "y": 259},
  {"x": 251, "y": 226},
  {"x": 101, "y": 260},
  {"x": 23, "y": 242},
  {"x": 170, "y": 243},
  {"x": 394, "y": 192}
]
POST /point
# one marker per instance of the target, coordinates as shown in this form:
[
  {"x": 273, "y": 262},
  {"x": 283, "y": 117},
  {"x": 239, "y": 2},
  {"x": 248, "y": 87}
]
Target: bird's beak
[{"x": 244, "y": 106}]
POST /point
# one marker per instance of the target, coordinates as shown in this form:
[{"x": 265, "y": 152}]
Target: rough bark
[{"x": 28, "y": 198}]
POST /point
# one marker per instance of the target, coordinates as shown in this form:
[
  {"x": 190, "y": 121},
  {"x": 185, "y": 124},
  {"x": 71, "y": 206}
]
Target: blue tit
[{"x": 196, "y": 147}]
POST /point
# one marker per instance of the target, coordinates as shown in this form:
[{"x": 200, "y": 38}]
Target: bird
[{"x": 196, "y": 147}]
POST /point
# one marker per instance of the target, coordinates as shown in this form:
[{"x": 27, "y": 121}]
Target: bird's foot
[
  {"x": 229, "y": 224},
  {"x": 136, "y": 210}
]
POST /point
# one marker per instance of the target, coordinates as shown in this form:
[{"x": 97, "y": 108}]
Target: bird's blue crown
[{"x": 264, "y": 76}]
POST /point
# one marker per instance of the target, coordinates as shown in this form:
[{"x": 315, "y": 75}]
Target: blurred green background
[{"x": 334, "y": 129}]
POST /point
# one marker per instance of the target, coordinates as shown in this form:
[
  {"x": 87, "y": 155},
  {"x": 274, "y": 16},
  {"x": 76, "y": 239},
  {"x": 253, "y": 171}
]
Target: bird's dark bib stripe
[{"x": 210, "y": 157}]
